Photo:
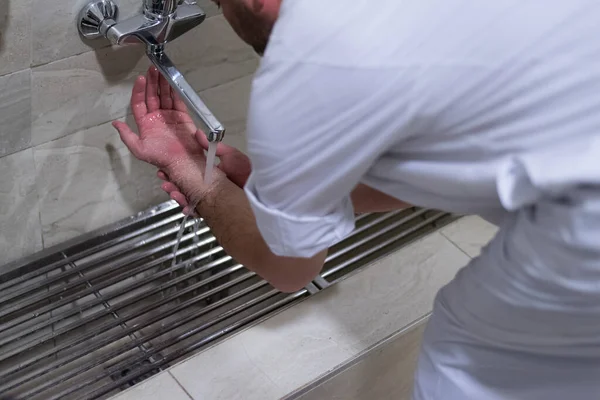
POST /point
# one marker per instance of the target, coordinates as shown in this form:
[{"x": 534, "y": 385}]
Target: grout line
[
  {"x": 456, "y": 245},
  {"x": 180, "y": 385},
  {"x": 346, "y": 366},
  {"x": 89, "y": 50}
]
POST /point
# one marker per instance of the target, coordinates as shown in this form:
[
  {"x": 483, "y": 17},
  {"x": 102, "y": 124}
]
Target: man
[{"x": 489, "y": 108}]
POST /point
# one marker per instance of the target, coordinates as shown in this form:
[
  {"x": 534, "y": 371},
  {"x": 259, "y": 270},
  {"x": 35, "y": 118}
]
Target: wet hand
[
  {"x": 166, "y": 133},
  {"x": 232, "y": 162},
  {"x": 235, "y": 164}
]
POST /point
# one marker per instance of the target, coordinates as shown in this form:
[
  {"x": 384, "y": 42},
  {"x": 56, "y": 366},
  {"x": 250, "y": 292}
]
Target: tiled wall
[{"x": 63, "y": 170}]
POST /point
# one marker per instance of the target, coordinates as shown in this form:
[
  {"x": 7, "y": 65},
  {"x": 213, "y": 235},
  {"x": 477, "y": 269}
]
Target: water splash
[
  {"x": 208, "y": 176},
  {"x": 210, "y": 163}
]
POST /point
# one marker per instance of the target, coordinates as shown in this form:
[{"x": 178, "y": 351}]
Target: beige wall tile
[
  {"x": 15, "y": 112},
  {"x": 470, "y": 234},
  {"x": 55, "y": 32},
  {"x": 386, "y": 372},
  {"x": 93, "y": 88},
  {"x": 20, "y": 230},
  {"x": 229, "y": 103},
  {"x": 82, "y": 91},
  {"x": 15, "y": 35},
  {"x": 160, "y": 387},
  {"x": 89, "y": 179},
  {"x": 306, "y": 341}
]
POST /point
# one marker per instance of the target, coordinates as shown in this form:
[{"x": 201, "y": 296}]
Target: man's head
[{"x": 252, "y": 20}]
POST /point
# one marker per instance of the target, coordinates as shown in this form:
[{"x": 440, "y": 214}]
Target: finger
[
  {"x": 179, "y": 198},
  {"x": 169, "y": 187},
  {"x": 162, "y": 175},
  {"x": 166, "y": 101},
  {"x": 152, "y": 99},
  {"x": 138, "y": 98},
  {"x": 178, "y": 104},
  {"x": 131, "y": 140}
]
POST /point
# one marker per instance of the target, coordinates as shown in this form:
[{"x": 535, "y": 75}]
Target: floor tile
[
  {"x": 470, "y": 234},
  {"x": 15, "y": 112},
  {"x": 89, "y": 179},
  {"x": 15, "y": 35},
  {"x": 301, "y": 344},
  {"x": 160, "y": 387},
  {"x": 385, "y": 372},
  {"x": 20, "y": 233}
]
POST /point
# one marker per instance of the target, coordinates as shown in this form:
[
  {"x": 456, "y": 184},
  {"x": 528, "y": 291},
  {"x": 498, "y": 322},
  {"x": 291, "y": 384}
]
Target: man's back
[{"x": 489, "y": 108}]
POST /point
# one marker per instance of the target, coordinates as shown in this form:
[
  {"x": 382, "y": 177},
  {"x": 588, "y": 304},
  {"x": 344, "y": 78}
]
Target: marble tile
[
  {"x": 470, "y": 234},
  {"x": 226, "y": 372},
  {"x": 160, "y": 387},
  {"x": 20, "y": 232},
  {"x": 229, "y": 103},
  {"x": 385, "y": 372},
  {"x": 92, "y": 88},
  {"x": 55, "y": 32},
  {"x": 312, "y": 338},
  {"x": 15, "y": 112},
  {"x": 89, "y": 179},
  {"x": 15, "y": 35}
]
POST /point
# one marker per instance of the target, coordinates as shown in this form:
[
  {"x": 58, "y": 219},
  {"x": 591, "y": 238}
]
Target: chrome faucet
[{"x": 162, "y": 21}]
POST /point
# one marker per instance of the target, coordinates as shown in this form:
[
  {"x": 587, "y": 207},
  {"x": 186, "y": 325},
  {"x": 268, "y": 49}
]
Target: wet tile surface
[
  {"x": 20, "y": 234},
  {"x": 386, "y": 372},
  {"x": 89, "y": 179},
  {"x": 15, "y": 112},
  {"x": 470, "y": 234},
  {"x": 15, "y": 35},
  {"x": 161, "y": 387},
  {"x": 301, "y": 344}
]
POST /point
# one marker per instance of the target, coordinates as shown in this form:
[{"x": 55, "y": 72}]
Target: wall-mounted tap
[{"x": 162, "y": 21}]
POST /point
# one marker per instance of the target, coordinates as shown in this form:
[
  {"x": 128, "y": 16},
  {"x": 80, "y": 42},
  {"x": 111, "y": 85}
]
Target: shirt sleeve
[{"x": 313, "y": 132}]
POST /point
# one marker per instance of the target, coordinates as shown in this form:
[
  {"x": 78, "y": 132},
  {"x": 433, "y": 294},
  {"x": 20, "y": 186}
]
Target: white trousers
[{"x": 454, "y": 365}]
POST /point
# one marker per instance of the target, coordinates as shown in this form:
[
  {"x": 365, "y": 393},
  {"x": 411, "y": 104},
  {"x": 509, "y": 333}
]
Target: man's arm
[
  {"x": 226, "y": 210},
  {"x": 365, "y": 199}
]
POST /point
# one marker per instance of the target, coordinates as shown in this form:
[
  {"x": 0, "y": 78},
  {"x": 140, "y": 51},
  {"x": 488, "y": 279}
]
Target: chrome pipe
[{"x": 186, "y": 92}]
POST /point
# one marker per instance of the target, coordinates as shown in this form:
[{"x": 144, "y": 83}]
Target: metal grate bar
[
  {"x": 105, "y": 327},
  {"x": 79, "y": 295},
  {"x": 190, "y": 317},
  {"x": 182, "y": 352},
  {"x": 41, "y": 298},
  {"x": 90, "y": 250},
  {"x": 106, "y": 311},
  {"x": 383, "y": 244}
]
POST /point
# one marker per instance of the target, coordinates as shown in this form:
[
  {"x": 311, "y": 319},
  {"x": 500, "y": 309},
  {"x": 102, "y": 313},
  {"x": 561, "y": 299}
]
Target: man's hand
[
  {"x": 169, "y": 140},
  {"x": 235, "y": 164},
  {"x": 166, "y": 134}
]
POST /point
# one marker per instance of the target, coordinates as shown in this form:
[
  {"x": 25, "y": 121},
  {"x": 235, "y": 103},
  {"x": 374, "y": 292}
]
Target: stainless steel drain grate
[{"x": 103, "y": 312}]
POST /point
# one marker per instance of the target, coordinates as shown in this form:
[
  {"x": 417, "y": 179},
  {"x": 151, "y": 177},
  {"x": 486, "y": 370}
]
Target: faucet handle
[
  {"x": 187, "y": 17},
  {"x": 96, "y": 18}
]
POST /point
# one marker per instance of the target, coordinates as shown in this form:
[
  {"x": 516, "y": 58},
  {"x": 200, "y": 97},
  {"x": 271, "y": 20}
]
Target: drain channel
[{"x": 99, "y": 314}]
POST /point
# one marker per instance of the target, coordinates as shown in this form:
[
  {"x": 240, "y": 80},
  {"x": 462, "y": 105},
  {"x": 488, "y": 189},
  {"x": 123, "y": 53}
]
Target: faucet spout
[
  {"x": 187, "y": 94},
  {"x": 161, "y": 22}
]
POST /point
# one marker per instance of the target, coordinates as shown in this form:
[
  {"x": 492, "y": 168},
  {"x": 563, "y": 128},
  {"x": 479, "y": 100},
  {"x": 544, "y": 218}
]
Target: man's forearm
[
  {"x": 366, "y": 199},
  {"x": 227, "y": 212}
]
